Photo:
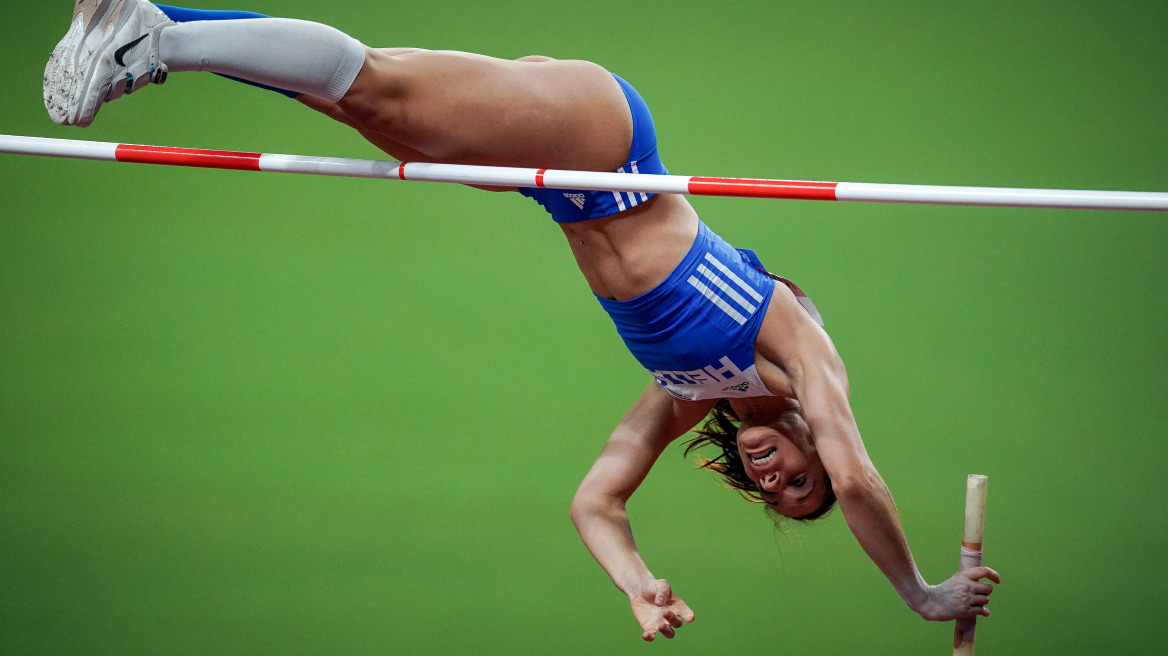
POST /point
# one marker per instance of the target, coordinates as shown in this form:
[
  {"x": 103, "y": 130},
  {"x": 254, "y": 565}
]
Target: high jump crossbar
[{"x": 587, "y": 180}]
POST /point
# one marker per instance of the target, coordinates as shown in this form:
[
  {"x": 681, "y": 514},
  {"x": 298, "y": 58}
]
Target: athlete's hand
[
  {"x": 963, "y": 595},
  {"x": 658, "y": 610}
]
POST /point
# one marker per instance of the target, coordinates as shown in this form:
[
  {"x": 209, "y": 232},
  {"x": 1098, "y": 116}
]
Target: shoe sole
[{"x": 71, "y": 66}]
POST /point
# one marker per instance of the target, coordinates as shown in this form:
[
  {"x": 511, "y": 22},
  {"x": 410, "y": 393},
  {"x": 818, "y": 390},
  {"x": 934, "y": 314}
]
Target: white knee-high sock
[{"x": 285, "y": 53}]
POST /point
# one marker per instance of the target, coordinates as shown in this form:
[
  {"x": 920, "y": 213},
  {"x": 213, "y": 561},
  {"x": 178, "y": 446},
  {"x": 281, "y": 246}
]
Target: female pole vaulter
[{"x": 721, "y": 337}]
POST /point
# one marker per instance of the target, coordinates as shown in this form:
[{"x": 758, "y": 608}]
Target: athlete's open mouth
[{"x": 764, "y": 457}]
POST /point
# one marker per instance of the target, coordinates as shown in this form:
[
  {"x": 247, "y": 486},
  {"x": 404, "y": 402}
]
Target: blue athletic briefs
[{"x": 568, "y": 206}]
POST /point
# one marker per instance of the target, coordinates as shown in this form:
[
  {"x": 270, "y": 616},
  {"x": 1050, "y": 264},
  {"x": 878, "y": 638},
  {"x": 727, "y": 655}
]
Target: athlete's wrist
[
  {"x": 641, "y": 587},
  {"x": 915, "y": 593}
]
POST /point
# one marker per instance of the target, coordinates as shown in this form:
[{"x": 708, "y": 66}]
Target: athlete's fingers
[
  {"x": 667, "y": 631},
  {"x": 673, "y": 618},
  {"x": 976, "y": 573},
  {"x": 649, "y": 635}
]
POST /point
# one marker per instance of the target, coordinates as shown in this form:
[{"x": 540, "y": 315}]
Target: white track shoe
[{"x": 111, "y": 49}]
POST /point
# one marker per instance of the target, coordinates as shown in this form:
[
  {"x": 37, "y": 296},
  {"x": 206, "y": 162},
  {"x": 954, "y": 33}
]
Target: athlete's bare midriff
[{"x": 629, "y": 253}]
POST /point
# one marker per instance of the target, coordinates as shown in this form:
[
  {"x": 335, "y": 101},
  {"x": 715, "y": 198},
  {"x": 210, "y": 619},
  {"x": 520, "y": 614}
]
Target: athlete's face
[{"x": 785, "y": 467}]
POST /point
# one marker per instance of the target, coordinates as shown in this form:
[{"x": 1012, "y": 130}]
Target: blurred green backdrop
[{"x": 269, "y": 414}]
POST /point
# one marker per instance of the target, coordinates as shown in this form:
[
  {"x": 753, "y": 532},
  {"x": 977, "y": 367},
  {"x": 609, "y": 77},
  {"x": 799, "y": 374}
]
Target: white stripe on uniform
[
  {"x": 644, "y": 196},
  {"x": 731, "y": 275},
  {"x": 620, "y": 202},
  {"x": 717, "y": 300},
  {"x": 721, "y": 284}
]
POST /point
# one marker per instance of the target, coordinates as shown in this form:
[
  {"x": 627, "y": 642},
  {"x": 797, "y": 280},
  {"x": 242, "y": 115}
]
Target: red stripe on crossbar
[
  {"x": 212, "y": 159},
  {"x": 792, "y": 189},
  {"x": 401, "y": 171},
  {"x": 539, "y": 177}
]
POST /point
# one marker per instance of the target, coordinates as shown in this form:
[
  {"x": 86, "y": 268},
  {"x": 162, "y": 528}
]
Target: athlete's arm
[
  {"x": 819, "y": 380},
  {"x": 598, "y": 509}
]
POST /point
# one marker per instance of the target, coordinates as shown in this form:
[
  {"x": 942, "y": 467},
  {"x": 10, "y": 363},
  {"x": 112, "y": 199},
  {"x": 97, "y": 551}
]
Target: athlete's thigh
[
  {"x": 387, "y": 145},
  {"x": 466, "y": 108}
]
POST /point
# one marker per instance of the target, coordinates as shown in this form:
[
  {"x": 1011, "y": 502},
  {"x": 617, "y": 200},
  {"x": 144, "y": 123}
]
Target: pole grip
[{"x": 971, "y": 539}]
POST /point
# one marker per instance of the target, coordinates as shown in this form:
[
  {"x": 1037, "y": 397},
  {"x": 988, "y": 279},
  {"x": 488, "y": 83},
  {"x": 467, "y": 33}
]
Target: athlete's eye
[{"x": 800, "y": 481}]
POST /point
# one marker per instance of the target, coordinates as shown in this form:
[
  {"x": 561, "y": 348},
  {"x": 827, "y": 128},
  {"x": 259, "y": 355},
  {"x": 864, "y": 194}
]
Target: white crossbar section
[
  {"x": 338, "y": 166},
  {"x": 1001, "y": 196}
]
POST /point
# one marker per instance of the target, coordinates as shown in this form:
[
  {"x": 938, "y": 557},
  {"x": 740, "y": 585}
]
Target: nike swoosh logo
[{"x": 126, "y": 48}]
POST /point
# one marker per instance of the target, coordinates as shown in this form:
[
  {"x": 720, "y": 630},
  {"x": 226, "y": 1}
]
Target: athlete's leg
[
  {"x": 184, "y": 15},
  {"x": 467, "y": 108},
  {"x": 115, "y": 47},
  {"x": 393, "y": 148},
  {"x": 453, "y": 107},
  {"x": 300, "y": 56},
  {"x": 447, "y": 106}
]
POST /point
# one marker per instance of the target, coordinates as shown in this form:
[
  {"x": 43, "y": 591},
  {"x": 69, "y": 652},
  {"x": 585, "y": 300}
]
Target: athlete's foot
[{"x": 111, "y": 49}]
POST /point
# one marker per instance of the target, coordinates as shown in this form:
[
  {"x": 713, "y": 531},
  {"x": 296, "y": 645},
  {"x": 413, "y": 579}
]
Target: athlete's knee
[
  {"x": 374, "y": 101},
  {"x": 329, "y": 109}
]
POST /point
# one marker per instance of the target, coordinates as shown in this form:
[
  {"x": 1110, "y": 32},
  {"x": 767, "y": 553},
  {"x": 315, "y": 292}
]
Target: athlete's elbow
[
  {"x": 585, "y": 504},
  {"x": 579, "y": 509},
  {"x": 589, "y": 504}
]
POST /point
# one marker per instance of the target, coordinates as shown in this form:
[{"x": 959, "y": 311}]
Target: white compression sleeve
[{"x": 285, "y": 53}]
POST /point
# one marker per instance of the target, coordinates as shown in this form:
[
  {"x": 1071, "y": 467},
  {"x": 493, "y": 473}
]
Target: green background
[{"x": 271, "y": 414}]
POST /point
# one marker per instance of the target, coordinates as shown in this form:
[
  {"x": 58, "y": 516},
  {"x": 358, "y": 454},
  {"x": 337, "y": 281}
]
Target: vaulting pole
[{"x": 971, "y": 542}]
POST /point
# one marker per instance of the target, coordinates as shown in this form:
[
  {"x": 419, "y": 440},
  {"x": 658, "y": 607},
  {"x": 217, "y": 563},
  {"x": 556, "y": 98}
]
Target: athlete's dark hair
[{"x": 721, "y": 431}]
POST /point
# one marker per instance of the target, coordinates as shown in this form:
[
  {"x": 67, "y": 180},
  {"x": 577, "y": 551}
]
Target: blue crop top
[{"x": 695, "y": 332}]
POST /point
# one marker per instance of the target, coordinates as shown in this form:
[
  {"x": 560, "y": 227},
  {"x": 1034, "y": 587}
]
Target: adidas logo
[
  {"x": 577, "y": 200},
  {"x": 741, "y": 387}
]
